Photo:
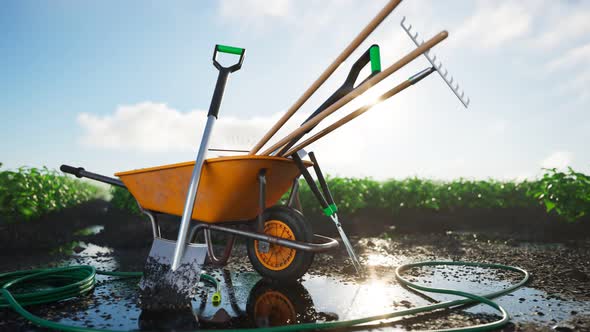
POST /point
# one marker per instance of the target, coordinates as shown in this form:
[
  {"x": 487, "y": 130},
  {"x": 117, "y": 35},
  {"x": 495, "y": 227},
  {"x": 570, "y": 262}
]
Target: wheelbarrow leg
[
  {"x": 262, "y": 246},
  {"x": 210, "y": 251},
  {"x": 226, "y": 252},
  {"x": 261, "y": 200},
  {"x": 156, "y": 232},
  {"x": 294, "y": 196}
]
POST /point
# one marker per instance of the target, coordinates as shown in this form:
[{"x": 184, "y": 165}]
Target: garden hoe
[{"x": 172, "y": 270}]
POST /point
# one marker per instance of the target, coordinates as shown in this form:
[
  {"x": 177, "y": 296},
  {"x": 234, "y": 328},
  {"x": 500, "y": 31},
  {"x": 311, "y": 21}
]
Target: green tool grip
[
  {"x": 375, "y": 57},
  {"x": 230, "y": 49}
]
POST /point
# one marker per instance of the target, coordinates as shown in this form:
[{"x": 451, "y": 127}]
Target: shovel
[{"x": 172, "y": 269}]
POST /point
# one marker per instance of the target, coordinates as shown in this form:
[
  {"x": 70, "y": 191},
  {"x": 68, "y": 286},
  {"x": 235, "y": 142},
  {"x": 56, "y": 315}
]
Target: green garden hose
[{"x": 82, "y": 279}]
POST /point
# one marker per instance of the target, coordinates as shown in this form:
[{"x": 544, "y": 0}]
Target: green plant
[
  {"x": 568, "y": 193},
  {"x": 122, "y": 199},
  {"x": 29, "y": 192}
]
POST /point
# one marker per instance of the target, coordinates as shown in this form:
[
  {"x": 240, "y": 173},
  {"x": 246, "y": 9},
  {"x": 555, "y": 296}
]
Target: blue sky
[{"x": 115, "y": 85}]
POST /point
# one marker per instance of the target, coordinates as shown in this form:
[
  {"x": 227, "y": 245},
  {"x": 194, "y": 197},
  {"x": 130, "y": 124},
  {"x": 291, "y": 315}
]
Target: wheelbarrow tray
[{"x": 228, "y": 190}]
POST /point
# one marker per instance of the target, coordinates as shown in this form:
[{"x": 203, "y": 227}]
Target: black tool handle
[
  {"x": 321, "y": 179},
  {"x": 229, "y": 50},
  {"x": 312, "y": 185},
  {"x": 72, "y": 170},
  {"x": 223, "y": 75},
  {"x": 372, "y": 56}
]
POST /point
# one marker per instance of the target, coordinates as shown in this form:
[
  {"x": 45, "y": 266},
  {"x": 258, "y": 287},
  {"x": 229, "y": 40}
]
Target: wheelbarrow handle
[{"x": 80, "y": 172}]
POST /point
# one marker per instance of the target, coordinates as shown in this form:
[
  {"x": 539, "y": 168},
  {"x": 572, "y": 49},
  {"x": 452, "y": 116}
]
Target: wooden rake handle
[
  {"x": 359, "y": 90},
  {"x": 389, "y": 7}
]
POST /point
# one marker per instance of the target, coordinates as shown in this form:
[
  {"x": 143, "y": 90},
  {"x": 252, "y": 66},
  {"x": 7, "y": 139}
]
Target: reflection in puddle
[
  {"x": 91, "y": 230},
  {"x": 249, "y": 301}
]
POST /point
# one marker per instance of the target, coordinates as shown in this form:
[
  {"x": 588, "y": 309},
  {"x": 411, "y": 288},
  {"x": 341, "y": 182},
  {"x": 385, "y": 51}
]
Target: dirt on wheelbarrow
[{"x": 556, "y": 298}]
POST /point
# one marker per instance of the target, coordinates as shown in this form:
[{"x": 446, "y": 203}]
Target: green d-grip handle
[{"x": 229, "y": 49}]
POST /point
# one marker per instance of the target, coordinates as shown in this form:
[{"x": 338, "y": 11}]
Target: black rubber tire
[{"x": 302, "y": 232}]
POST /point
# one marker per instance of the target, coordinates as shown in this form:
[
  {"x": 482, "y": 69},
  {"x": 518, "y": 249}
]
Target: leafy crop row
[
  {"x": 567, "y": 193},
  {"x": 28, "y": 193}
]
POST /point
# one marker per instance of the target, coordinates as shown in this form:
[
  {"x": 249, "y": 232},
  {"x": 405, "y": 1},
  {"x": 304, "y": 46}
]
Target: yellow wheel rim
[
  {"x": 277, "y": 258},
  {"x": 275, "y": 308}
]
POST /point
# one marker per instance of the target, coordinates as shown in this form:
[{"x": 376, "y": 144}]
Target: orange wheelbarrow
[{"x": 237, "y": 195}]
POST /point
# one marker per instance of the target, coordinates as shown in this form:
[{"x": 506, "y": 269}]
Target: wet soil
[{"x": 557, "y": 298}]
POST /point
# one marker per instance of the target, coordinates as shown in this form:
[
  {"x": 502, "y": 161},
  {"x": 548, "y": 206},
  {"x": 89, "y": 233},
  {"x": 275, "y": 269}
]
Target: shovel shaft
[{"x": 189, "y": 204}]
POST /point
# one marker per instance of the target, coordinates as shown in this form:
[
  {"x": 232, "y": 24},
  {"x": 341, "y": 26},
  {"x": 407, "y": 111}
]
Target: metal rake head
[{"x": 438, "y": 67}]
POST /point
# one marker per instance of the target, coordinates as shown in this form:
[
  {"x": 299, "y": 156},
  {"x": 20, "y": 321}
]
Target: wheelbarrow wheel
[
  {"x": 278, "y": 262},
  {"x": 274, "y": 303}
]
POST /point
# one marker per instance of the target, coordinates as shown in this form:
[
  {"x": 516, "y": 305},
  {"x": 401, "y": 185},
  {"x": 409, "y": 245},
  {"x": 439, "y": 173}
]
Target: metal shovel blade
[{"x": 162, "y": 288}]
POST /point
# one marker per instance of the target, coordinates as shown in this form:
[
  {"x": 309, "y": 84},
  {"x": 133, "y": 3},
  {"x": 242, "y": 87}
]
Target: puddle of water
[
  {"x": 91, "y": 230},
  {"x": 249, "y": 301}
]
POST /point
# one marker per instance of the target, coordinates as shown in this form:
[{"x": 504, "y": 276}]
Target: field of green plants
[
  {"x": 28, "y": 193},
  {"x": 567, "y": 193}
]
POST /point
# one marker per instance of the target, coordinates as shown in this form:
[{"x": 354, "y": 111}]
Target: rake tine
[{"x": 438, "y": 67}]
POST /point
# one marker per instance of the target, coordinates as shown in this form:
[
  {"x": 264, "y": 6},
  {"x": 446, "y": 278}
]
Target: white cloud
[
  {"x": 563, "y": 29},
  {"x": 558, "y": 159},
  {"x": 576, "y": 56},
  {"x": 572, "y": 64},
  {"x": 155, "y": 127},
  {"x": 494, "y": 24},
  {"x": 150, "y": 128}
]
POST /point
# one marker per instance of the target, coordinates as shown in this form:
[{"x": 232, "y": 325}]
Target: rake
[{"x": 439, "y": 67}]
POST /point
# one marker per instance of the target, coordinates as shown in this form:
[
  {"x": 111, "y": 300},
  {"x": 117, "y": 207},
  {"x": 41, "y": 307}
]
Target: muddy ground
[{"x": 556, "y": 298}]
